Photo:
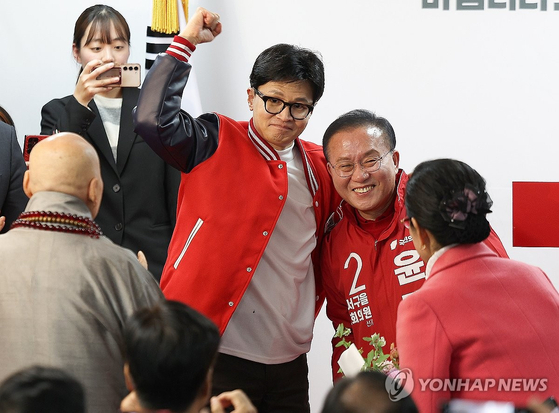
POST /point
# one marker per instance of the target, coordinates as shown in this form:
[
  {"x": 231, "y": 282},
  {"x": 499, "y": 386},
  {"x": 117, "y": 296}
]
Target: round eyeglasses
[
  {"x": 274, "y": 106},
  {"x": 346, "y": 169}
]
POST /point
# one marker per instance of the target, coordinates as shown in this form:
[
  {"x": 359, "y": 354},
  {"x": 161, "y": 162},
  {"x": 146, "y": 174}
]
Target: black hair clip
[{"x": 456, "y": 207}]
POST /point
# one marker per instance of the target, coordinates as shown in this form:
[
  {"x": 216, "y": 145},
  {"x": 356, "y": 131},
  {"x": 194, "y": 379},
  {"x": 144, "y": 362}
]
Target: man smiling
[
  {"x": 245, "y": 255},
  {"x": 369, "y": 263}
]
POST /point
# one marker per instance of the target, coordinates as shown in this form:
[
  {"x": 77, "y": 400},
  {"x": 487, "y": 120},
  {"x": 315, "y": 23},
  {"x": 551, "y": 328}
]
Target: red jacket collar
[
  {"x": 458, "y": 254},
  {"x": 270, "y": 154}
]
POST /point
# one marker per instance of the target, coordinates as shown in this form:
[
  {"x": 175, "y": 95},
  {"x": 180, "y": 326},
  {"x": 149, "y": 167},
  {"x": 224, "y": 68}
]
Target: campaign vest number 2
[{"x": 354, "y": 288}]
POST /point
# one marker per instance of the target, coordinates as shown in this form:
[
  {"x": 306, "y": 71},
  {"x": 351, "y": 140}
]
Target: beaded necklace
[{"x": 59, "y": 222}]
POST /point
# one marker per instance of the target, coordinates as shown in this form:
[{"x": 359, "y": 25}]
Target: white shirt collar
[{"x": 435, "y": 257}]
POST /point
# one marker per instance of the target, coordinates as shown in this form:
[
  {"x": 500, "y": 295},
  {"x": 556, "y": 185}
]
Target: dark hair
[
  {"x": 101, "y": 18},
  {"x": 289, "y": 63},
  {"x": 41, "y": 389},
  {"x": 433, "y": 186},
  {"x": 364, "y": 393},
  {"x": 359, "y": 118},
  {"x": 5, "y": 117},
  {"x": 169, "y": 349}
]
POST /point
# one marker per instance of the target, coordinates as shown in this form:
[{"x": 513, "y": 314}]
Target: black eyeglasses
[
  {"x": 370, "y": 164},
  {"x": 273, "y": 106}
]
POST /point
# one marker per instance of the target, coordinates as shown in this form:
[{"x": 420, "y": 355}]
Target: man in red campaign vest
[
  {"x": 369, "y": 263},
  {"x": 253, "y": 204}
]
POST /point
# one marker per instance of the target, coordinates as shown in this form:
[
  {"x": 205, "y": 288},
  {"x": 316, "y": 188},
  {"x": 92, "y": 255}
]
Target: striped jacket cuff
[{"x": 181, "y": 48}]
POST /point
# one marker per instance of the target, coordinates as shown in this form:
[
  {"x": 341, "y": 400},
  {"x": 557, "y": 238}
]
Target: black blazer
[
  {"x": 140, "y": 190},
  {"x": 12, "y": 168}
]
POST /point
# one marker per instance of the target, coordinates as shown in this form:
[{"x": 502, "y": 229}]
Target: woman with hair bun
[{"x": 481, "y": 327}]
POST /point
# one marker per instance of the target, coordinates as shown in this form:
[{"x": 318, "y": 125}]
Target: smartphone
[
  {"x": 30, "y": 142},
  {"x": 129, "y": 74}
]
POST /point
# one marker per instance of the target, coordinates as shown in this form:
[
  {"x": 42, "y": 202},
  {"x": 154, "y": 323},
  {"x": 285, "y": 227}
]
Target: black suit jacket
[
  {"x": 12, "y": 168},
  {"x": 140, "y": 190}
]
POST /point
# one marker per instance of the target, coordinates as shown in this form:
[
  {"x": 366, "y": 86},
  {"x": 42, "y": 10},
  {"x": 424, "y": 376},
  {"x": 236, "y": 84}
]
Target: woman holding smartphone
[{"x": 140, "y": 190}]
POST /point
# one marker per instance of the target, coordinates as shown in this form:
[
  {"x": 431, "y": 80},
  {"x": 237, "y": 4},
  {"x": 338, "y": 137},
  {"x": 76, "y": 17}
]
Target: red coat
[
  {"x": 479, "y": 316},
  {"x": 228, "y": 207}
]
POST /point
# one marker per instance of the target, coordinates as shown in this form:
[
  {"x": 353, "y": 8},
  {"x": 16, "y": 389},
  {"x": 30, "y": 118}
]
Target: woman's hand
[{"x": 88, "y": 85}]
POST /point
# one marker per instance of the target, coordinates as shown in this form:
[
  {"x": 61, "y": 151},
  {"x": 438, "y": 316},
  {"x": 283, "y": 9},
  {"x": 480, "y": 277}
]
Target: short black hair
[
  {"x": 41, "y": 389},
  {"x": 364, "y": 393},
  {"x": 169, "y": 349},
  {"x": 359, "y": 118},
  {"x": 430, "y": 184},
  {"x": 288, "y": 63}
]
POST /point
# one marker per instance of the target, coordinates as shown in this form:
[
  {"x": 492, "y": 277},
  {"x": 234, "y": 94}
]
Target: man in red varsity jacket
[
  {"x": 253, "y": 203},
  {"x": 369, "y": 263}
]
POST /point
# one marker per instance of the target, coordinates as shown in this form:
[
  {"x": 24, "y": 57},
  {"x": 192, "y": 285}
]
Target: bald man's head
[
  {"x": 368, "y": 392},
  {"x": 65, "y": 163}
]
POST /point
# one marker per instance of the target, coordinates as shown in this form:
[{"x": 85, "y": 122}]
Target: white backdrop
[{"x": 476, "y": 85}]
